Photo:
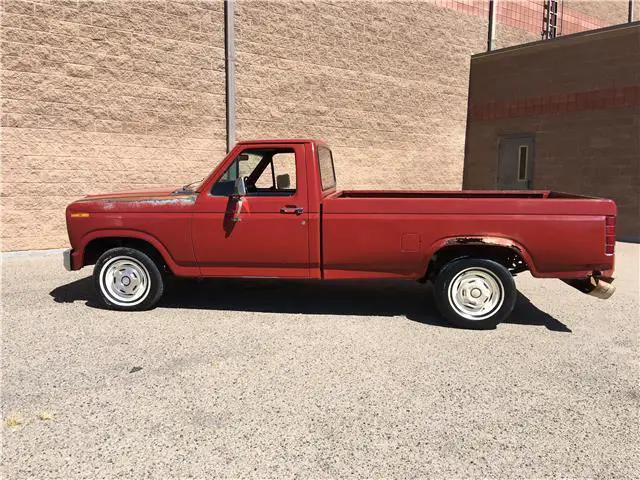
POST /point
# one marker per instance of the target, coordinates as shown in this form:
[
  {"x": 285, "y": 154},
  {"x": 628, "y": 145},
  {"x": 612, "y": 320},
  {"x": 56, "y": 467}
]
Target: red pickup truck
[{"x": 271, "y": 209}]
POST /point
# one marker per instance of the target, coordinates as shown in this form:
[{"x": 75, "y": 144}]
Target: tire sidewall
[
  {"x": 447, "y": 275},
  {"x": 156, "y": 284}
]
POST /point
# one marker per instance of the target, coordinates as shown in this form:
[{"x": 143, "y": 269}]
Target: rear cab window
[{"x": 327, "y": 171}]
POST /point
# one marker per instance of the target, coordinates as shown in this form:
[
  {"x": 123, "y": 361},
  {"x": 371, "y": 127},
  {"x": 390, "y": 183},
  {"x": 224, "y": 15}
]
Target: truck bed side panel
[{"x": 379, "y": 241}]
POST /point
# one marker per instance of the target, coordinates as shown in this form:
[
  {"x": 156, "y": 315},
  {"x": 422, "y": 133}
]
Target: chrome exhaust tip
[
  {"x": 595, "y": 287},
  {"x": 602, "y": 289}
]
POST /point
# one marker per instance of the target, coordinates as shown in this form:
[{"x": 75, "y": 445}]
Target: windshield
[{"x": 269, "y": 171}]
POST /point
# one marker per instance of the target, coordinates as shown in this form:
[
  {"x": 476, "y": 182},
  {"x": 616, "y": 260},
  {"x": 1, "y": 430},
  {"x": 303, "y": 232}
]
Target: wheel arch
[
  {"x": 97, "y": 242},
  {"x": 509, "y": 253}
]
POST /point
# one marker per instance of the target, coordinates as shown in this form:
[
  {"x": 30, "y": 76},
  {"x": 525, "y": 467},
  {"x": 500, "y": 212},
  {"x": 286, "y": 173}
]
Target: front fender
[{"x": 78, "y": 254}]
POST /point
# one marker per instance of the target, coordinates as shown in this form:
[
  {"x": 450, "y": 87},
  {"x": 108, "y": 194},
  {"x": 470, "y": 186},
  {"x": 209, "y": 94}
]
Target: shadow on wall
[{"x": 374, "y": 298}]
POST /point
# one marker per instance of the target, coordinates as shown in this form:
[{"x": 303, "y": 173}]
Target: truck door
[
  {"x": 515, "y": 162},
  {"x": 271, "y": 235}
]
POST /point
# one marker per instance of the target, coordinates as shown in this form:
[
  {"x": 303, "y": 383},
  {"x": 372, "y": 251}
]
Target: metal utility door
[{"x": 515, "y": 162}]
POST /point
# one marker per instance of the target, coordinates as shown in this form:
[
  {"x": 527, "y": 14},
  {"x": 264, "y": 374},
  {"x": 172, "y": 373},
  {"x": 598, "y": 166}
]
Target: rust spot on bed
[{"x": 502, "y": 242}]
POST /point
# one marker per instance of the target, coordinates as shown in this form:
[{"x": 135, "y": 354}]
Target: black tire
[
  {"x": 127, "y": 279},
  {"x": 457, "y": 285}
]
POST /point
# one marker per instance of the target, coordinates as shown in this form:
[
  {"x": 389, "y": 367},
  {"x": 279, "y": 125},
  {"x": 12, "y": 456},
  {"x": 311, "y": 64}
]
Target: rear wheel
[
  {"x": 127, "y": 279},
  {"x": 475, "y": 293}
]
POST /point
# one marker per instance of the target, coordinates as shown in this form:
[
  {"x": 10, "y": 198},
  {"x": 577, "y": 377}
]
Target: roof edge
[{"x": 562, "y": 38}]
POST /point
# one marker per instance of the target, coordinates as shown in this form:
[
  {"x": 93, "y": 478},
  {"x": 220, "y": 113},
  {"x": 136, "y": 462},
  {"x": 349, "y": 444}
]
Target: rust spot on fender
[{"x": 502, "y": 242}]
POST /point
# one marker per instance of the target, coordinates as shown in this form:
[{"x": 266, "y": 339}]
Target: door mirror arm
[
  {"x": 240, "y": 188},
  {"x": 239, "y": 191}
]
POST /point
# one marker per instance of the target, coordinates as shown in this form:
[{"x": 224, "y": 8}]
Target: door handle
[{"x": 292, "y": 210}]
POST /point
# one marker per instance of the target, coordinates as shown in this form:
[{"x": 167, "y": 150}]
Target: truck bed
[
  {"x": 439, "y": 194},
  {"x": 398, "y": 231},
  {"x": 467, "y": 202},
  {"x": 511, "y": 194}
]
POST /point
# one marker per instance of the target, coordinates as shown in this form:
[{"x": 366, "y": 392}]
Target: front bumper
[{"x": 66, "y": 259}]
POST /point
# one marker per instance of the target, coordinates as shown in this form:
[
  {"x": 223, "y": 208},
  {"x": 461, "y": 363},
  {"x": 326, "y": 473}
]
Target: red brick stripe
[{"x": 614, "y": 97}]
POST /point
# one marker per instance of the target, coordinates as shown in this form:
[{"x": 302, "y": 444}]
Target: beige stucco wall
[
  {"x": 104, "y": 96},
  {"x": 115, "y": 95},
  {"x": 385, "y": 83},
  {"x": 610, "y": 12}
]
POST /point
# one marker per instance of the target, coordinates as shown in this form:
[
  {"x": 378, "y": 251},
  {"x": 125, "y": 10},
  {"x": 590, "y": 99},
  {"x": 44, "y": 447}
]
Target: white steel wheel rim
[
  {"x": 476, "y": 293},
  {"x": 125, "y": 281}
]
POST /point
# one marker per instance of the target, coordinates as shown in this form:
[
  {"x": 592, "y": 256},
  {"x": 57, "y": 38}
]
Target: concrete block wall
[
  {"x": 104, "y": 96},
  {"x": 112, "y": 95},
  {"x": 520, "y": 21},
  {"x": 384, "y": 83},
  {"x": 602, "y": 12}
]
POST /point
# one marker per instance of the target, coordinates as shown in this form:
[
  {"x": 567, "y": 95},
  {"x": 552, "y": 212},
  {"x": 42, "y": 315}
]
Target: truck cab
[{"x": 273, "y": 229}]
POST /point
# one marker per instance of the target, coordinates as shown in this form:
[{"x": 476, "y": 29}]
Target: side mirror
[{"x": 239, "y": 189}]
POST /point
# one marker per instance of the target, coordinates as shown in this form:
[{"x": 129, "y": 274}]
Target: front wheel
[
  {"x": 127, "y": 279},
  {"x": 475, "y": 293}
]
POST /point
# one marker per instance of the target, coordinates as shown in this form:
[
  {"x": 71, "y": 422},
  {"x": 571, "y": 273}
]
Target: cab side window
[
  {"x": 268, "y": 172},
  {"x": 284, "y": 167}
]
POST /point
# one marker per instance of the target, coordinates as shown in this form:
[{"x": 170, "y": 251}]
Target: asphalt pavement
[{"x": 273, "y": 379}]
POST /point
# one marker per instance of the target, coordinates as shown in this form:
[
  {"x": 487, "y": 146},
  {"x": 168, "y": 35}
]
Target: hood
[
  {"x": 133, "y": 195},
  {"x": 138, "y": 200}
]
